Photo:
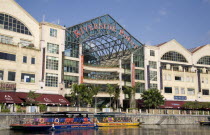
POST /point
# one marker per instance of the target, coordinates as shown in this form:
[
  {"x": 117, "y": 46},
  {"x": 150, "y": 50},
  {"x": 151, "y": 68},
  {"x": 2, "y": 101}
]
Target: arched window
[
  {"x": 173, "y": 56},
  {"x": 10, "y": 23},
  {"x": 204, "y": 60}
]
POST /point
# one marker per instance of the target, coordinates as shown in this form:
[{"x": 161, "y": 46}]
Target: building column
[
  {"x": 120, "y": 83},
  {"x": 81, "y": 64}
]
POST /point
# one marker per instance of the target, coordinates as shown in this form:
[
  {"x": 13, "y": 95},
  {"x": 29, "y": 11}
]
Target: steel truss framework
[{"x": 103, "y": 40}]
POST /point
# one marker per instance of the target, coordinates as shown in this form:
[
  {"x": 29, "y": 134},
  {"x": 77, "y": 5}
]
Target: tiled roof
[
  {"x": 192, "y": 50},
  {"x": 160, "y": 44}
]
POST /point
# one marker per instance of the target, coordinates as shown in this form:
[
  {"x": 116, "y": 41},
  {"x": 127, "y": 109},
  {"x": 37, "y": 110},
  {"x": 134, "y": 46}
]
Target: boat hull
[
  {"x": 111, "y": 124},
  {"x": 50, "y": 127}
]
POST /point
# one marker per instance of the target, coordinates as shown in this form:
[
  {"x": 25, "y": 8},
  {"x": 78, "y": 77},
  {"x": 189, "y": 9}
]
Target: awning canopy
[
  {"x": 10, "y": 97},
  {"x": 49, "y": 99},
  {"x": 173, "y": 104}
]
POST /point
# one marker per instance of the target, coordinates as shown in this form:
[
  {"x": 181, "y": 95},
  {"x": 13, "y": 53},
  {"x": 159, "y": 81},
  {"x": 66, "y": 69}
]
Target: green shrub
[{"x": 42, "y": 108}]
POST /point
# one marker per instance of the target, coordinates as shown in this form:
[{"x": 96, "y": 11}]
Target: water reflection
[{"x": 130, "y": 130}]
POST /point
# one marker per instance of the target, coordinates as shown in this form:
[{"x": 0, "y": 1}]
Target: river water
[{"x": 133, "y": 130}]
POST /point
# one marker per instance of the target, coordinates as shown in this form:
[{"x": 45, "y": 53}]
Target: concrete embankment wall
[{"x": 7, "y": 119}]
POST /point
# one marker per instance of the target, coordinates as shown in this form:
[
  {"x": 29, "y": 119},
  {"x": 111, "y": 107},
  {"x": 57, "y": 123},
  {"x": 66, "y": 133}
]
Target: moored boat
[
  {"x": 116, "y": 119},
  {"x": 66, "y": 120}
]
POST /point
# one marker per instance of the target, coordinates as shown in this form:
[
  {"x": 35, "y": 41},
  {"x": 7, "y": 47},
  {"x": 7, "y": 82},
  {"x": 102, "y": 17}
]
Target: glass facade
[
  {"x": 139, "y": 74},
  {"x": 6, "y": 39},
  {"x": 52, "y": 48},
  {"x": 204, "y": 60},
  {"x": 101, "y": 75},
  {"x": 153, "y": 64},
  {"x": 51, "y": 80},
  {"x": 52, "y": 63},
  {"x": 71, "y": 66},
  {"x": 153, "y": 75},
  {"x": 69, "y": 80},
  {"x": 72, "y": 51},
  {"x": 138, "y": 57},
  {"x": 173, "y": 56},
  {"x": 7, "y": 56},
  {"x": 28, "y": 78},
  {"x": 10, "y": 23},
  {"x": 140, "y": 88}
]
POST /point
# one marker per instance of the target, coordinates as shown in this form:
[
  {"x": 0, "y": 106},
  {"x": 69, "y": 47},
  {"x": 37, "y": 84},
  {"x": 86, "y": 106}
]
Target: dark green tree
[
  {"x": 83, "y": 94},
  {"x": 31, "y": 98},
  {"x": 152, "y": 98}
]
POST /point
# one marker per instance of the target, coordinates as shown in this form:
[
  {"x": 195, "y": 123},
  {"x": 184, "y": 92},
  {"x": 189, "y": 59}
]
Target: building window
[
  {"x": 205, "y": 92},
  {"x": 140, "y": 88},
  {"x": 178, "y": 78},
  {"x": 1, "y": 75},
  {"x": 11, "y": 76},
  {"x": 24, "y": 59},
  {"x": 33, "y": 60},
  {"x": 51, "y": 80},
  {"x": 182, "y": 90},
  {"x": 29, "y": 78},
  {"x": 10, "y": 23},
  {"x": 173, "y": 56},
  {"x": 168, "y": 89},
  {"x": 52, "y": 48},
  {"x": 69, "y": 80},
  {"x": 71, "y": 66},
  {"x": 52, "y": 63},
  {"x": 153, "y": 86},
  {"x": 139, "y": 74},
  {"x": 153, "y": 75},
  {"x": 5, "y": 39},
  {"x": 152, "y": 53},
  {"x": 191, "y": 91},
  {"x": 25, "y": 43},
  {"x": 204, "y": 60},
  {"x": 153, "y": 64},
  {"x": 7, "y": 56},
  {"x": 176, "y": 90},
  {"x": 53, "y": 32}
]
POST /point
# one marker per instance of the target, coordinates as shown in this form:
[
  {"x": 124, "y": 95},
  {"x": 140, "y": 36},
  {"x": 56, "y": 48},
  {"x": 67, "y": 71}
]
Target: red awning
[
  {"x": 9, "y": 97},
  {"x": 50, "y": 99},
  {"x": 173, "y": 104}
]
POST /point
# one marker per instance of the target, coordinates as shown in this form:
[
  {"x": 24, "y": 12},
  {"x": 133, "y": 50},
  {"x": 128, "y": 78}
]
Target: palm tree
[
  {"x": 116, "y": 95},
  {"x": 110, "y": 90},
  {"x": 131, "y": 91}
]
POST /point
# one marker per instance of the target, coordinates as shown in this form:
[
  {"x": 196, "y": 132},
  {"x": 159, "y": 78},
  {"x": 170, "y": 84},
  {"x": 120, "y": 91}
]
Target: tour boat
[
  {"x": 116, "y": 119},
  {"x": 56, "y": 121}
]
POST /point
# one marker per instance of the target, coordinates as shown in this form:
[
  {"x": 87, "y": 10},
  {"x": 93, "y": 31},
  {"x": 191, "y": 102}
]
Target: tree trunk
[{"x": 132, "y": 101}]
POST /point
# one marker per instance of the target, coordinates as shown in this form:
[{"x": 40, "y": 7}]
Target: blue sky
[{"x": 150, "y": 21}]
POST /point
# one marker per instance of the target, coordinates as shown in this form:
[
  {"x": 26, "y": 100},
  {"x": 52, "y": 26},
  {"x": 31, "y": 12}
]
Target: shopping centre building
[{"x": 48, "y": 58}]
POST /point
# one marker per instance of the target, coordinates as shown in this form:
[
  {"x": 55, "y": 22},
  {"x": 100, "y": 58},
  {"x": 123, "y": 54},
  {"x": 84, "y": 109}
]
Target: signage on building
[
  {"x": 91, "y": 27},
  {"x": 7, "y": 86},
  {"x": 180, "y": 97}
]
